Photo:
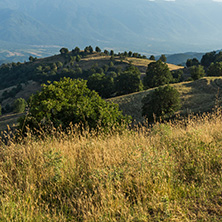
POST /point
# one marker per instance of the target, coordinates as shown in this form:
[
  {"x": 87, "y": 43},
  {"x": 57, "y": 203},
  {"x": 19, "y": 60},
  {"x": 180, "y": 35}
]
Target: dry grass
[
  {"x": 198, "y": 96},
  {"x": 9, "y": 120},
  {"x": 145, "y": 62},
  {"x": 172, "y": 172}
]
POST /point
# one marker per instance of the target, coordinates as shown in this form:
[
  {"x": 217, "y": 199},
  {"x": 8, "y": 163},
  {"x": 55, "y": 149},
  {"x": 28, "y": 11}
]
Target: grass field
[{"x": 171, "y": 172}]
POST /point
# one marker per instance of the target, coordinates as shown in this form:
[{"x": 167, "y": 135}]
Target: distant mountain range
[{"x": 148, "y": 27}]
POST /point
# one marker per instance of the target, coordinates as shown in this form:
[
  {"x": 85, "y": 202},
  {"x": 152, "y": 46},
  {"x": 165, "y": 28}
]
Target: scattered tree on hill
[
  {"x": 157, "y": 74},
  {"x": 111, "y": 52},
  {"x": 135, "y": 55},
  {"x": 208, "y": 58},
  {"x": 163, "y": 58},
  {"x": 97, "y": 49},
  {"x": 177, "y": 75},
  {"x": 19, "y": 105},
  {"x": 152, "y": 57},
  {"x": 106, "y": 52},
  {"x": 31, "y": 58},
  {"x": 192, "y": 62},
  {"x": 130, "y": 53},
  {"x": 128, "y": 81},
  {"x": 0, "y": 110},
  {"x": 102, "y": 84},
  {"x": 215, "y": 69},
  {"x": 197, "y": 72},
  {"x": 64, "y": 50},
  {"x": 88, "y": 49},
  {"x": 70, "y": 101},
  {"x": 162, "y": 103},
  {"x": 76, "y": 50}
]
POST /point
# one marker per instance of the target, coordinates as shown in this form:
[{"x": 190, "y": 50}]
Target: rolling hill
[
  {"x": 196, "y": 97},
  {"x": 25, "y": 74}
]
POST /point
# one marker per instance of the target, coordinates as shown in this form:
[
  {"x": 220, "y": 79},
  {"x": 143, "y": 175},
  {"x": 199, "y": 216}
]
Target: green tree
[
  {"x": 31, "y": 58},
  {"x": 128, "y": 81},
  {"x": 197, "y": 72},
  {"x": 192, "y": 62},
  {"x": 70, "y": 101},
  {"x": 208, "y": 58},
  {"x": 97, "y": 49},
  {"x": 163, "y": 58},
  {"x": 106, "y": 52},
  {"x": 177, "y": 75},
  {"x": 64, "y": 50},
  {"x": 102, "y": 84},
  {"x": 152, "y": 57},
  {"x": 76, "y": 50},
  {"x": 215, "y": 69},
  {"x": 19, "y": 105},
  {"x": 157, "y": 74},
  {"x": 161, "y": 103},
  {"x": 111, "y": 52},
  {"x": 0, "y": 110}
]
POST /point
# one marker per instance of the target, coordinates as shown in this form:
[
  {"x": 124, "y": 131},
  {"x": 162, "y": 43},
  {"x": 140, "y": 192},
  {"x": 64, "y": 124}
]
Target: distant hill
[
  {"x": 181, "y": 58},
  {"x": 149, "y": 27},
  {"x": 17, "y": 27}
]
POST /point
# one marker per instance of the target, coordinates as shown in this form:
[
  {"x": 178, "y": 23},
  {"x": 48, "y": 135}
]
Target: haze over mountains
[{"x": 148, "y": 27}]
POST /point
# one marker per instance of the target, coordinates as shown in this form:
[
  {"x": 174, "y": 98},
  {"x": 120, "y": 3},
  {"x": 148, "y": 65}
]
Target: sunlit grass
[{"x": 170, "y": 172}]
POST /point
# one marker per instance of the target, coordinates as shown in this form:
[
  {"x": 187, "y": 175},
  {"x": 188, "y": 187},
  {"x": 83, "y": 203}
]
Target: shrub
[
  {"x": 157, "y": 74},
  {"x": 215, "y": 69},
  {"x": 162, "y": 103},
  {"x": 70, "y": 101},
  {"x": 129, "y": 81},
  {"x": 19, "y": 105},
  {"x": 197, "y": 72}
]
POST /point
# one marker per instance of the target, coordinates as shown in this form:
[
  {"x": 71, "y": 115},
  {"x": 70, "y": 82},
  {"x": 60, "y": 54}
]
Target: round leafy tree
[
  {"x": 128, "y": 81},
  {"x": 162, "y": 103},
  {"x": 157, "y": 74},
  {"x": 102, "y": 84},
  {"x": 215, "y": 69},
  {"x": 70, "y": 101},
  {"x": 197, "y": 72}
]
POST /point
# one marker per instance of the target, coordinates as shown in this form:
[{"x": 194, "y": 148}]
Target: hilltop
[{"x": 20, "y": 80}]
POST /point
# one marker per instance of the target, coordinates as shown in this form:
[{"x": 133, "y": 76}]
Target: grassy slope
[
  {"x": 168, "y": 173},
  {"x": 197, "y": 96},
  {"x": 85, "y": 64}
]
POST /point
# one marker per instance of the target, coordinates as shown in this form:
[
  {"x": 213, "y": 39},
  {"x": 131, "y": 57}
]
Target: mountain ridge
[{"x": 153, "y": 27}]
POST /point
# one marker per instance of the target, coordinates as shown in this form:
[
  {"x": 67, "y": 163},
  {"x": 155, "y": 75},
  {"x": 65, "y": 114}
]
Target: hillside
[
  {"x": 198, "y": 96},
  {"x": 20, "y": 80}
]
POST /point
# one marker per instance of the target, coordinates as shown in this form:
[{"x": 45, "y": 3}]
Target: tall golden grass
[{"x": 170, "y": 172}]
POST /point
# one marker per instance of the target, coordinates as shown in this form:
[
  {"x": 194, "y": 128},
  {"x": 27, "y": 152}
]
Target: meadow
[{"x": 168, "y": 172}]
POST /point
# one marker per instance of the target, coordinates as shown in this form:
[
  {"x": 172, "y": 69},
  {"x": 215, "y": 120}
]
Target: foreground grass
[{"x": 172, "y": 172}]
